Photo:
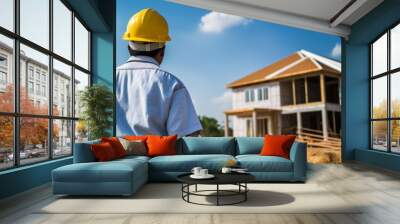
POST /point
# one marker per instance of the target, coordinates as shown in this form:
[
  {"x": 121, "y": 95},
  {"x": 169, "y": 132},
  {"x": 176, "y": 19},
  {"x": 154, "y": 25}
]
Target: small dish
[{"x": 208, "y": 176}]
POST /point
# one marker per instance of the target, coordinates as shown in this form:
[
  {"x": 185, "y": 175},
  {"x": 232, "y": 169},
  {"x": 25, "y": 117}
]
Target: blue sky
[{"x": 209, "y": 50}]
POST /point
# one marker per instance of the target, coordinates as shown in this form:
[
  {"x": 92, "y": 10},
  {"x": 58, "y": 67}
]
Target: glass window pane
[
  {"x": 62, "y": 138},
  {"x": 395, "y": 47},
  {"x": 62, "y": 29},
  {"x": 81, "y": 131},
  {"x": 6, "y": 74},
  {"x": 7, "y": 14},
  {"x": 6, "y": 142},
  {"x": 379, "y": 97},
  {"x": 395, "y": 94},
  {"x": 81, "y": 45},
  {"x": 35, "y": 21},
  {"x": 62, "y": 89},
  {"x": 34, "y": 97},
  {"x": 395, "y": 136},
  {"x": 379, "y": 56},
  {"x": 379, "y": 135},
  {"x": 33, "y": 139},
  {"x": 81, "y": 81}
]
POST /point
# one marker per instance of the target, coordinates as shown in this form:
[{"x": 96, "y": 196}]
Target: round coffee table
[{"x": 238, "y": 179}]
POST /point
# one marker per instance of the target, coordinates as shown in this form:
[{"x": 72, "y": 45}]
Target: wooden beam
[
  {"x": 322, "y": 87},
  {"x": 294, "y": 92}
]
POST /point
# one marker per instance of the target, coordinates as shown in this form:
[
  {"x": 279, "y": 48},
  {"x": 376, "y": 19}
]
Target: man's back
[{"x": 152, "y": 101}]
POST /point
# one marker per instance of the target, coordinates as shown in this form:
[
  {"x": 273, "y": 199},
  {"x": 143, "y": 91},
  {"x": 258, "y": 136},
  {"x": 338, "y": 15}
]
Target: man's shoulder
[{"x": 168, "y": 77}]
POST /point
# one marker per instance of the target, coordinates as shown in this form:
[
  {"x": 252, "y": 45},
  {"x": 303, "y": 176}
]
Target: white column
[
  {"x": 270, "y": 119},
  {"x": 324, "y": 123},
  {"x": 254, "y": 123},
  {"x": 299, "y": 124},
  {"x": 226, "y": 130}
]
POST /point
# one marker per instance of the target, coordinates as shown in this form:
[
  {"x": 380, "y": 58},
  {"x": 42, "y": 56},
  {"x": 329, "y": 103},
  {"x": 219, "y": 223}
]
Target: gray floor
[{"x": 377, "y": 188}]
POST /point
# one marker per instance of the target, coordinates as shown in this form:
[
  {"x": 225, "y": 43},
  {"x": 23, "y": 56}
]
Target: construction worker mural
[{"x": 149, "y": 99}]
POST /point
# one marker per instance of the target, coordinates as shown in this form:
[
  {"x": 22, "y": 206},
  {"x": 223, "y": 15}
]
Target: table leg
[
  {"x": 245, "y": 193},
  {"x": 217, "y": 194}
]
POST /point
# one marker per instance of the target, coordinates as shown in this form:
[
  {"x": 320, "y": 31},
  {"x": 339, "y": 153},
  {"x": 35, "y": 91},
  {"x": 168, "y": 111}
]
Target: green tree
[
  {"x": 97, "y": 109},
  {"x": 211, "y": 127},
  {"x": 380, "y": 111}
]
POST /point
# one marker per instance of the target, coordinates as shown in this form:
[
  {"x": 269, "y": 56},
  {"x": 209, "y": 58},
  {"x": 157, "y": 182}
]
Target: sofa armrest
[
  {"x": 298, "y": 155},
  {"x": 83, "y": 152}
]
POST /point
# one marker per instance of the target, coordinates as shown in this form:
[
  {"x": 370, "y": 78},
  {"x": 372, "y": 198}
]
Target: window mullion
[
  {"x": 50, "y": 82},
  {"x": 16, "y": 84},
  {"x": 389, "y": 101},
  {"x": 73, "y": 81}
]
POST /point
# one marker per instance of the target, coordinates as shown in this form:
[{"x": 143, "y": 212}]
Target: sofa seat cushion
[
  {"x": 185, "y": 163},
  {"x": 112, "y": 171},
  {"x": 257, "y": 163}
]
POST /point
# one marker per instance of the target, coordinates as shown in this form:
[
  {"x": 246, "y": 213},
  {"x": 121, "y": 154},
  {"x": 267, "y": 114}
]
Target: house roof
[{"x": 299, "y": 63}]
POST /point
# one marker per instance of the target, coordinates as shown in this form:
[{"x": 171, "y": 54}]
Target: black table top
[{"x": 220, "y": 178}]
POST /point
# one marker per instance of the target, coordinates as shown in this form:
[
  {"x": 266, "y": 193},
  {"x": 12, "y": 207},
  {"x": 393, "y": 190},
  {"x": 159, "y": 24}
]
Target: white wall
[{"x": 273, "y": 101}]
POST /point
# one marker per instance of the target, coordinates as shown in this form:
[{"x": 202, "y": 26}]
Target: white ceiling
[{"x": 317, "y": 15}]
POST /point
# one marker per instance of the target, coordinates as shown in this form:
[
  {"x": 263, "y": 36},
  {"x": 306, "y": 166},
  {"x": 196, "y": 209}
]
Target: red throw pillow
[
  {"x": 161, "y": 145},
  {"x": 103, "y": 152},
  {"x": 277, "y": 145},
  {"x": 116, "y": 145}
]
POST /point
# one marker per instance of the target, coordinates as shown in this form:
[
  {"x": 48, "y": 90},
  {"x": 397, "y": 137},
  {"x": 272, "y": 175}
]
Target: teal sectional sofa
[{"x": 125, "y": 176}]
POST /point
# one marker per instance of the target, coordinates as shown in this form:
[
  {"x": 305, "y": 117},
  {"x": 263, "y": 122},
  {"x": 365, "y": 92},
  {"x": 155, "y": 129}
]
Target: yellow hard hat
[{"x": 147, "y": 26}]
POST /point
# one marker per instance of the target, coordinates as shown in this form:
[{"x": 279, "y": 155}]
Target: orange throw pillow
[
  {"x": 103, "y": 152},
  {"x": 277, "y": 145},
  {"x": 161, "y": 145},
  {"x": 116, "y": 145}
]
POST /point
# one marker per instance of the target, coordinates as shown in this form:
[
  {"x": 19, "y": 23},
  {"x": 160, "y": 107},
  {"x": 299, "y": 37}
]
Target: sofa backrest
[
  {"x": 83, "y": 152},
  {"x": 206, "y": 145},
  {"x": 249, "y": 145}
]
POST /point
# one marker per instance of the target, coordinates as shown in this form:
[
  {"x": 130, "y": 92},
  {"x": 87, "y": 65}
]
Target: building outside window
[
  {"x": 43, "y": 90},
  {"x": 37, "y": 75},
  {"x": 249, "y": 95},
  {"x": 38, "y": 89},
  {"x": 3, "y": 78},
  {"x": 58, "y": 124},
  {"x": 3, "y": 71},
  {"x": 262, "y": 94},
  {"x": 30, "y": 87},
  {"x": 44, "y": 77},
  {"x": 265, "y": 93},
  {"x": 30, "y": 72},
  {"x": 385, "y": 94}
]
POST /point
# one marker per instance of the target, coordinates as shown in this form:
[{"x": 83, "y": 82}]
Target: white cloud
[
  {"x": 336, "y": 51},
  {"x": 225, "y": 98},
  {"x": 216, "y": 22}
]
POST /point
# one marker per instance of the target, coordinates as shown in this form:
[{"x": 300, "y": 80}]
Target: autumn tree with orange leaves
[{"x": 33, "y": 131}]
